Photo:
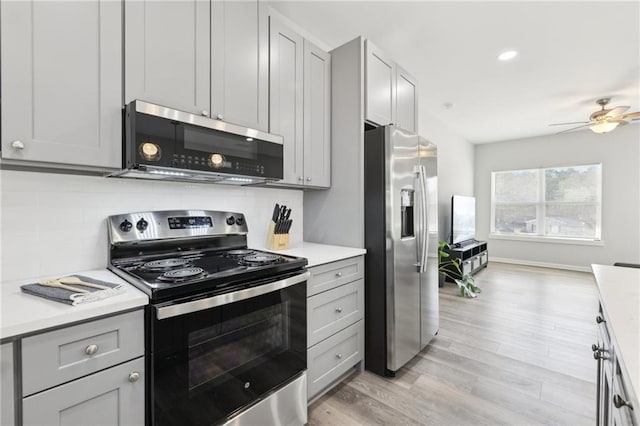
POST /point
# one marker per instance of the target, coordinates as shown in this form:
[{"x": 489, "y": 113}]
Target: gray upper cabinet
[
  {"x": 240, "y": 63},
  {"x": 200, "y": 56},
  {"x": 62, "y": 82},
  {"x": 7, "y": 416},
  {"x": 406, "y": 100},
  {"x": 299, "y": 106},
  {"x": 317, "y": 116},
  {"x": 167, "y": 53},
  {"x": 286, "y": 63},
  {"x": 380, "y": 86}
]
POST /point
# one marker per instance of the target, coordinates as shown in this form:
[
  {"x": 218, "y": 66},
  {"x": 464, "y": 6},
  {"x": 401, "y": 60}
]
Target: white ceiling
[{"x": 570, "y": 54}]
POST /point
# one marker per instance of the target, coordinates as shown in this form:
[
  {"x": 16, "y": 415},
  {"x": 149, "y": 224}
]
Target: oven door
[{"x": 213, "y": 357}]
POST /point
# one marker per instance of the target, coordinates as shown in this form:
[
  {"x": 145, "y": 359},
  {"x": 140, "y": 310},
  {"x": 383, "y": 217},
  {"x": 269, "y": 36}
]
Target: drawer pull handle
[
  {"x": 91, "y": 349},
  {"x": 134, "y": 376},
  {"x": 338, "y": 274},
  {"x": 339, "y": 310},
  {"x": 339, "y": 356},
  {"x": 17, "y": 145}
]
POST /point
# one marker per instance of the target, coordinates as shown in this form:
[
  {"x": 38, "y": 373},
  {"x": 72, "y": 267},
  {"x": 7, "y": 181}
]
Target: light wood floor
[{"x": 519, "y": 354}]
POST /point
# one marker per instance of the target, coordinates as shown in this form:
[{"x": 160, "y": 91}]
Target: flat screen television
[{"x": 463, "y": 218}]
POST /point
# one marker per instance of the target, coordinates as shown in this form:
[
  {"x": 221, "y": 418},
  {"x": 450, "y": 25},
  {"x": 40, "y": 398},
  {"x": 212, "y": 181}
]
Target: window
[{"x": 559, "y": 202}]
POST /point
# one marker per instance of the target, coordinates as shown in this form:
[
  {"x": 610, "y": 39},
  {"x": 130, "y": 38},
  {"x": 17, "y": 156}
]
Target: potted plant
[{"x": 450, "y": 268}]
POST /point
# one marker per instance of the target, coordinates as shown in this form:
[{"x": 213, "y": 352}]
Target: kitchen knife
[
  {"x": 288, "y": 226},
  {"x": 287, "y": 214},
  {"x": 276, "y": 213}
]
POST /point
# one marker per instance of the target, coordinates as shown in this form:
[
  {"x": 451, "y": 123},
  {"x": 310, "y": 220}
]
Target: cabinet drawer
[
  {"x": 111, "y": 397},
  {"x": 59, "y": 356},
  {"x": 332, "y": 357},
  {"x": 334, "y": 310},
  {"x": 326, "y": 277}
]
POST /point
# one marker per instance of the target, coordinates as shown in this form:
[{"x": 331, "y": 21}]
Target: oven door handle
[{"x": 224, "y": 299}]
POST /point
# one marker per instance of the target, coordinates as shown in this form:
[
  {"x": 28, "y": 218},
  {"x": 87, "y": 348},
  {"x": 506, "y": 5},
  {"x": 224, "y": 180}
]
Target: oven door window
[{"x": 209, "y": 364}]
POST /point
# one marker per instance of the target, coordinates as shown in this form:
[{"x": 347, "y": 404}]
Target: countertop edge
[{"x": 320, "y": 254}]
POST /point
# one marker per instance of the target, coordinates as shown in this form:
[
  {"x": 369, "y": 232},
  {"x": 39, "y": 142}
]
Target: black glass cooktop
[{"x": 175, "y": 274}]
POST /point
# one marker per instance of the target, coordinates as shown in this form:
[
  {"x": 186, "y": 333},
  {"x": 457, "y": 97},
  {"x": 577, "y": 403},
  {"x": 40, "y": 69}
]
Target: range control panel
[{"x": 170, "y": 224}]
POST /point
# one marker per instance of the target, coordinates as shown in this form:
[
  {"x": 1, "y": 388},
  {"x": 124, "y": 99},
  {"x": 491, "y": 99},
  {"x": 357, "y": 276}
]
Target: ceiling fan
[{"x": 605, "y": 120}]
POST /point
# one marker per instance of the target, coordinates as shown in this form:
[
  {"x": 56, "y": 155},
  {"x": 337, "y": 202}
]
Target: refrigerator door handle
[{"x": 422, "y": 177}]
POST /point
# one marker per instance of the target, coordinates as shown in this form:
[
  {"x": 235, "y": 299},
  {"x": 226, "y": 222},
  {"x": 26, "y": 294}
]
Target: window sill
[{"x": 552, "y": 240}]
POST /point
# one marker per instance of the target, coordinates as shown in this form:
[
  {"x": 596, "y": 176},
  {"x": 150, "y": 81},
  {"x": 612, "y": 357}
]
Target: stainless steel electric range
[{"x": 226, "y": 325}]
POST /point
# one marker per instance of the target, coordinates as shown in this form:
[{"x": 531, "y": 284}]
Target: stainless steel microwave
[{"x": 164, "y": 143}]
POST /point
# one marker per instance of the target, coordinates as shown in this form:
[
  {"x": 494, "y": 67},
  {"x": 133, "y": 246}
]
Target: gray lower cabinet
[
  {"x": 114, "y": 396},
  {"x": 335, "y": 312},
  {"x": 91, "y": 373},
  {"x": 300, "y": 105},
  {"x": 204, "y": 57},
  {"x": 61, "y": 71},
  {"x": 7, "y": 413}
]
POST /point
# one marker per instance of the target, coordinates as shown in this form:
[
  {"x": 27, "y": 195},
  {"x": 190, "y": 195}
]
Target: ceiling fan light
[{"x": 604, "y": 126}]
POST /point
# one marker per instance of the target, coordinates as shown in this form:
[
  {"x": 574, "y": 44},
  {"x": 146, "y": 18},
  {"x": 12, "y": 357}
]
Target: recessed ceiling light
[{"x": 508, "y": 55}]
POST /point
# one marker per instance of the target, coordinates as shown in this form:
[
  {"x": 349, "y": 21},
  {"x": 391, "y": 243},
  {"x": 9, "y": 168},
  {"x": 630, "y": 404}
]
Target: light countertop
[
  {"x": 619, "y": 290},
  {"x": 319, "y": 254},
  {"x": 22, "y": 313}
]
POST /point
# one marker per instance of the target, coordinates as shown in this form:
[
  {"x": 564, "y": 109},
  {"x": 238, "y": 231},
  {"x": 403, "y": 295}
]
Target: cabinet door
[
  {"x": 380, "y": 87},
  {"x": 240, "y": 63},
  {"x": 167, "y": 51},
  {"x": 114, "y": 396},
  {"x": 406, "y": 101},
  {"x": 62, "y": 81},
  {"x": 6, "y": 384},
  {"x": 317, "y": 116},
  {"x": 286, "y": 96}
]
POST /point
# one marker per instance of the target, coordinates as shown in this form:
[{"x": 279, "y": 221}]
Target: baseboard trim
[{"x": 539, "y": 264}]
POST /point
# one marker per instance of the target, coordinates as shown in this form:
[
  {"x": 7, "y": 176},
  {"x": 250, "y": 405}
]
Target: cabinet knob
[
  {"x": 339, "y": 310},
  {"x": 91, "y": 349},
  {"x": 308, "y": 179},
  {"x": 219, "y": 117},
  {"x": 205, "y": 112},
  {"x": 300, "y": 178},
  {"x": 620, "y": 402},
  {"x": 339, "y": 356},
  {"x": 595, "y": 348},
  {"x": 134, "y": 376},
  {"x": 599, "y": 319},
  {"x": 18, "y": 145},
  {"x": 338, "y": 274}
]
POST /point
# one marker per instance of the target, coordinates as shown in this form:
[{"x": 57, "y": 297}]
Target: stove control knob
[
  {"x": 142, "y": 225},
  {"x": 231, "y": 220},
  {"x": 125, "y": 226},
  {"x": 239, "y": 220}
]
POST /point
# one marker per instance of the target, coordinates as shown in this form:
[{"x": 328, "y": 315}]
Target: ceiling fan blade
[
  {"x": 574, "y": 128},
  {"x": 616, "y": 111},
  {"x": 631, "y": 116},
  {"x": 573, "y": 122}
]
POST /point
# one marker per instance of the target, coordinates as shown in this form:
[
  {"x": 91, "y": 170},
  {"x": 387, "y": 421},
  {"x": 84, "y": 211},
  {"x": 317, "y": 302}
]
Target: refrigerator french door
[{"x": 401, "y": 290}]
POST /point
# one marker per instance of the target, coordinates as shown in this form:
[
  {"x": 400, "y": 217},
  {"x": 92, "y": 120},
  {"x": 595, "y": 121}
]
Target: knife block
[{"x": 279, "y": 242}]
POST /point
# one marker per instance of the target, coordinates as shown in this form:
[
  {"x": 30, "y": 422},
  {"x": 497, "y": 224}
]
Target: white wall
[
  {"x": 455, "y": 167},
  {"x": 55, "y": 224},
  {"x": 619, "y": 154}
]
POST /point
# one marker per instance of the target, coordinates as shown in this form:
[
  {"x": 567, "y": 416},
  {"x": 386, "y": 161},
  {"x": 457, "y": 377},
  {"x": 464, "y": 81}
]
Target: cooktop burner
[
  {"x": 261, "y": 259},
  {"x": 239, "y": 252},
  {"x": 164, "y": 264},
  {"x": 182, "y": 274}
]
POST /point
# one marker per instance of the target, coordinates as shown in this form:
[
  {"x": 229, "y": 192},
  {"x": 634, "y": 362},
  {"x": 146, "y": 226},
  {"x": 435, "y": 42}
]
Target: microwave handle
[{"x": 224, "y": 299}]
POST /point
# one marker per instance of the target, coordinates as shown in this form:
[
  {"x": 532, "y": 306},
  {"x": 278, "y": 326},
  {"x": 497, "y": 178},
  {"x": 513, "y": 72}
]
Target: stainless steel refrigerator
[{"x": 401, "y": 238}]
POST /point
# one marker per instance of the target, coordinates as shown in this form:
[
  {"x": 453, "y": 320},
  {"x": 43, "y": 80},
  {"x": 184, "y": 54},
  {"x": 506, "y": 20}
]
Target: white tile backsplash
[{"x": 53, "y": 224}]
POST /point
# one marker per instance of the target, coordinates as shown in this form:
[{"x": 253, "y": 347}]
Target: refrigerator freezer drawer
[
  {"x": 333, "y": 310},
  {"x": 331, "y": 275}
]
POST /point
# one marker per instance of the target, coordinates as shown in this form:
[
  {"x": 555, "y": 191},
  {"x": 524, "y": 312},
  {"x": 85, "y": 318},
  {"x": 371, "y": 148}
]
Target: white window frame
[{"x": 541, "y": 205}]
